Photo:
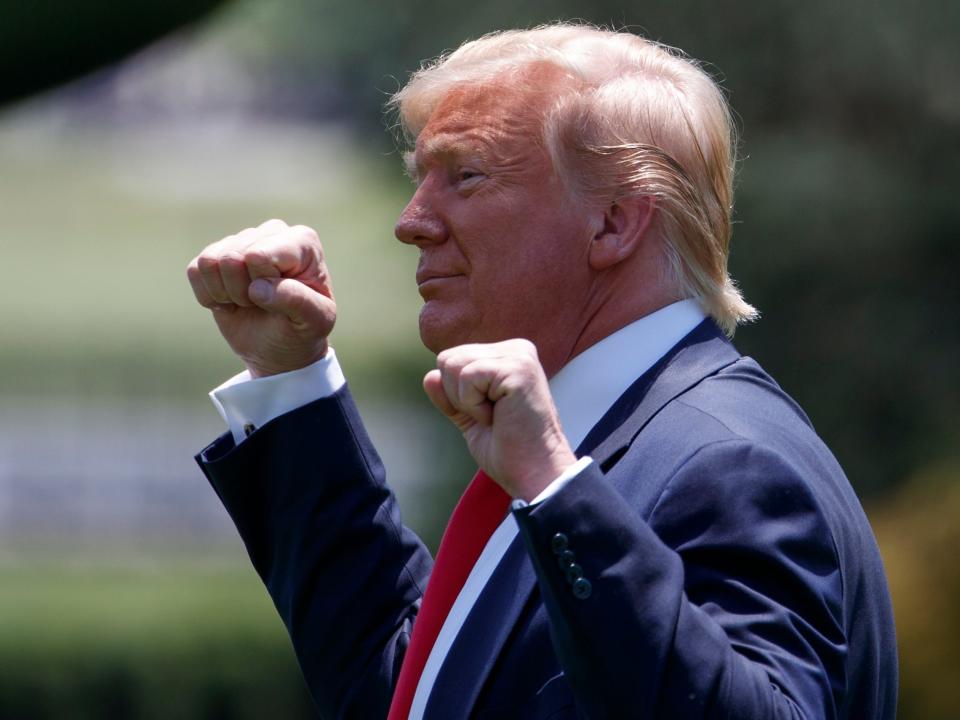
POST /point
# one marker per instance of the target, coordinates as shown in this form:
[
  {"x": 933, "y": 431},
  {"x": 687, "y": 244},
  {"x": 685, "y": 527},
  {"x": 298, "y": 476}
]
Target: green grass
[
  {"x": 98, "y": 227},
  {"x": 168, "y": 639},
  {"x": 49, "y": 605},
  {"x": 96, "y": 230}
]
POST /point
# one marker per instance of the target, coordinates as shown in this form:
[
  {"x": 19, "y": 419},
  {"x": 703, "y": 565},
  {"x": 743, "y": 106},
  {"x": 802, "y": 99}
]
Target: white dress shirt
[{"x": 583, "y": 391}]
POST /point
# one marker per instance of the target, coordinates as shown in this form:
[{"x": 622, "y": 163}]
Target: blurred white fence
[{"x": 82, "y": 471}]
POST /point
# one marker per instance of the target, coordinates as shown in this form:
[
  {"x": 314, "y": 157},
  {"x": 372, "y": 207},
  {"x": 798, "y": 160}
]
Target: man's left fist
[{"x": 497, "y": 395}]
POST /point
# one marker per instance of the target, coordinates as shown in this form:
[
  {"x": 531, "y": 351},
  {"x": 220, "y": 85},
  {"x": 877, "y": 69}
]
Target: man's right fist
[{"x": 270, "y": 294}]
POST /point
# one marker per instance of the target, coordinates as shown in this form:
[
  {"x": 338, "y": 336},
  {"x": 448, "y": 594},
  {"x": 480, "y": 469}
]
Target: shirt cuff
[
  {"x": 246, "y": 403},
  {"x": 566, "y": 476}
]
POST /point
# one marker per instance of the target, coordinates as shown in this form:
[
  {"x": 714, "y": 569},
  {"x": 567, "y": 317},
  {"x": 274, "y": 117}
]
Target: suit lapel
[
  {"x": 478, "y": 644},
  {"x": 700, "y": 354}
]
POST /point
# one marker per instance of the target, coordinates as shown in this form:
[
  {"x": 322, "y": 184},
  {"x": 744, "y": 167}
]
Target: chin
[
  {"x": 435, "y": 339},
  {"x": 441, "y": 331}
]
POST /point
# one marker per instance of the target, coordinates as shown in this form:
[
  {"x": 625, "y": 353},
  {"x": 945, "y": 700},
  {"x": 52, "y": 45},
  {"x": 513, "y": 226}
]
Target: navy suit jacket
[{"x": 731, "y": 570}]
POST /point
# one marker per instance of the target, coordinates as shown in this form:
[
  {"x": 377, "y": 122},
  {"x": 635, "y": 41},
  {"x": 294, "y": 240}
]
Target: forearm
[
  {"x": 323, "y": 531},
  {"x": 685, "y": 617}
]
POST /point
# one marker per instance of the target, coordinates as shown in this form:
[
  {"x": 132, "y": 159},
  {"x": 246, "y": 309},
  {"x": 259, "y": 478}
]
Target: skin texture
[
  {"x": 503, "y": 249},
  {"x": 497, "y": 396},
  {"x": 270, "y": 294},
  {"x": 517, "y": 275}
]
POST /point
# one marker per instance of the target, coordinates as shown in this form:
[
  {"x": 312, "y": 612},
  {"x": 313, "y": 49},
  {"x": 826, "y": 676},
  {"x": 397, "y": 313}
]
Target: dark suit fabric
[{"x": 733, "y": 573}]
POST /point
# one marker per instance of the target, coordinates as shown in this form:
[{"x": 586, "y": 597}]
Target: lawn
[
  {"x": 98, "y": 227},
  {"x": 153, "y": 638}
]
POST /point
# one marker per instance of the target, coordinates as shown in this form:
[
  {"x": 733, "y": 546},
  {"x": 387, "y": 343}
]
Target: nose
[{"x": 419, "y": 224}]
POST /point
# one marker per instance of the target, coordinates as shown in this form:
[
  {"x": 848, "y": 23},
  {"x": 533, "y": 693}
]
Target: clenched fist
[
  {"x": 497, "y": 395},
  {"x": 270, "y": 294}
]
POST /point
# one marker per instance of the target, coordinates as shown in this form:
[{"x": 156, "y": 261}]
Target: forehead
[{"x": 476, "y": 117}]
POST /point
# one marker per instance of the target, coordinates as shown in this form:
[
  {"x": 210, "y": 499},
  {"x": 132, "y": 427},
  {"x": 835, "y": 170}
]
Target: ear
[{"x": 625, "y": 224}]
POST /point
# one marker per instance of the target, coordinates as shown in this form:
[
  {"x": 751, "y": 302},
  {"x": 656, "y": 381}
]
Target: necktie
[{"x": 478, "y": 513}]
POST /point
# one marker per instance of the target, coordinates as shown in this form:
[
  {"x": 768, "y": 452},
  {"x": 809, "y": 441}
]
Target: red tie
[{"x": 476, "y": 516}]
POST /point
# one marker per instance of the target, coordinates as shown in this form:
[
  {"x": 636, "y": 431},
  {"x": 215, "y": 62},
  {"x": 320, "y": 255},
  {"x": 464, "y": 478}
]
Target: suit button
[
  {"x": 566, "y": 559},
  {"x": 574, "y": 573},
  {"x": 559, "y": 543},
  {"x": 582, "y": 589}
]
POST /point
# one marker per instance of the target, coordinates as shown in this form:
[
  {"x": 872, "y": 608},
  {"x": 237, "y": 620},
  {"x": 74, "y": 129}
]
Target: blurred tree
[
  {"x": 918, "y": 532},
  {"x": 846, "y": 203},
  {"x": 48, "y": 42},
  {"x": 847, "y": 215}
]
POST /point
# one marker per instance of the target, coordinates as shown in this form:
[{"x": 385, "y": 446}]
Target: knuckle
[
  {"x": 257, "y": 257},
  {"x": 232, "y": 260},
  {"x": 207, "y": 264},
  {"x": 306, "y": 233},
  {"x": 228, "y": 241},
  {"x": 456, "y": 362},
  {"x": 256, "y": 253},
  {"x": 526, "y": 347},
  {"x": 471, "y": 373}
]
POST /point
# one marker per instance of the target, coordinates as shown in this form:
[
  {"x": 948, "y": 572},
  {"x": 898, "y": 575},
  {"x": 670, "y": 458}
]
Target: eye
[{"x": 468, "y": 176}]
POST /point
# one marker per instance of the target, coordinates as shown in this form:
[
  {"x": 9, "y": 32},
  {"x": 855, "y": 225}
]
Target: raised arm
[{"x": 307, "y": 490}]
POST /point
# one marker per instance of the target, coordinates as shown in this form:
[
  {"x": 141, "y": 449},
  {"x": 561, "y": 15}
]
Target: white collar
[{"x": 588, "y": 385}]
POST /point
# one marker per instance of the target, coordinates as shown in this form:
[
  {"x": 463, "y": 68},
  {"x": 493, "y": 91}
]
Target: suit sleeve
[
  {"x": 727, "y": 603},
  {"x": 323, "y": 531}
]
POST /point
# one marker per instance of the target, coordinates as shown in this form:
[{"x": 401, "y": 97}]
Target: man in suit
[{"x": 657, "y": 531}]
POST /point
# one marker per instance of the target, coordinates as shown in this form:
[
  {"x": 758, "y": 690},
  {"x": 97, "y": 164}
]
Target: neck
[{"x": 614, "y": 301}]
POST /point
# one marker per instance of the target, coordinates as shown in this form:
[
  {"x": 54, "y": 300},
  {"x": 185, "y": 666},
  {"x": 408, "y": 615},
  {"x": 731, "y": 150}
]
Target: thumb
[{"x": 302, "y": 306}]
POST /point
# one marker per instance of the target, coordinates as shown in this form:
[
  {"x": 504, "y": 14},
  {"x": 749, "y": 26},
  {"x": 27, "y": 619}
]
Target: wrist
[
  {"x": 532, "y": 484},
  {"x": 261, "y": 367}
]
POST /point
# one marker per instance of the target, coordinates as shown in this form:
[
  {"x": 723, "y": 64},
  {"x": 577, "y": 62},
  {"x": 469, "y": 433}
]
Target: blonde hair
[{"x": 636, "y": 119}]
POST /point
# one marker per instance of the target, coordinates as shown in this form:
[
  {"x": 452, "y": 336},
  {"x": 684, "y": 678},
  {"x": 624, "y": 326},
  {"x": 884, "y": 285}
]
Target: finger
[
  {"x": 196, "y": 284},
  {"x": 294, "y": 253},
  {"x": 307, "y": 309},
  {"x": 245, "y": 238},
  {"x": 450, "y": 378},
  {"x": 208, "y": 263},
  {"x": 462, "y": 354},
  {"x": 273, "y": 226},
  {"x": 465, "y": 390},
  {"x": 473, "y": 391},
  {"x": 433, "y": 386},
  {"x": 235, "y": 278}
]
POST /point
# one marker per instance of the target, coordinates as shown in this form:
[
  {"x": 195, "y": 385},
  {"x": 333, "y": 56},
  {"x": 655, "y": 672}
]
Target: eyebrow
[
  {"x": 445, "y": 147},
  {"x": 410, "y": 165}
]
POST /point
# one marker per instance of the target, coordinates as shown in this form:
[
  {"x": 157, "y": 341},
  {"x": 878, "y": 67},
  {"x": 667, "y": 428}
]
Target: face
[{"x": 503, "y": 249}]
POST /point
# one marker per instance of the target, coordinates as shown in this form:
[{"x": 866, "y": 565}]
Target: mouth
[
  {"x": 425, "y": 278},
  {"x": 431, "y": 283}
]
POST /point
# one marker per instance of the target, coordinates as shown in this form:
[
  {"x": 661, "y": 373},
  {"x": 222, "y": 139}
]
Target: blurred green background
[{"x": 124, "y": 591}]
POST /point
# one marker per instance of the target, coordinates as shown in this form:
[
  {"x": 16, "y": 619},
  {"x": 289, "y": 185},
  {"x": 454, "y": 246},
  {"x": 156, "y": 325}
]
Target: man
[{"x": 679, "y": 543}]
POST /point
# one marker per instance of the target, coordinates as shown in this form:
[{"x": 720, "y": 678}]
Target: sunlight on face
[{"x": 502, "y": 245}]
